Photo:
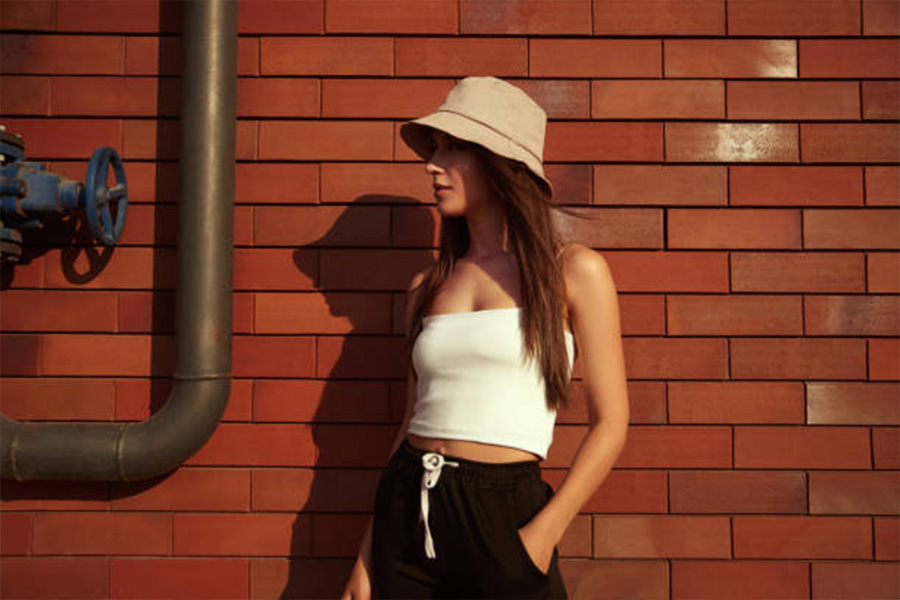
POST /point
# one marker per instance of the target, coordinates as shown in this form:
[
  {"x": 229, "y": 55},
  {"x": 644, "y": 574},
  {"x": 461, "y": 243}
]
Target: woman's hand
[
  {"x": 539, "y": 547},
  {"x": 359, "y": 587}
]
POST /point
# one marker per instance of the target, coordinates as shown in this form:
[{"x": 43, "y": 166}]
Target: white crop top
[{"x": 475, "y": 384}]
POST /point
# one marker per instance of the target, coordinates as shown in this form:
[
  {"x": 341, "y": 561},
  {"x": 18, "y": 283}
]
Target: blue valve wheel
[{"x": 98, "y": 197}]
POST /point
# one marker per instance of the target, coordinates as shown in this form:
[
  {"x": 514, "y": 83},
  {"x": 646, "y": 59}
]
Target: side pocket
[
  {"x": 526, "y": 557},
  {"x": 537, "y": 499}
]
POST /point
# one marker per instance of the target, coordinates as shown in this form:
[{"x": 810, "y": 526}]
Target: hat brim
[{"x": 418, "y": 136}]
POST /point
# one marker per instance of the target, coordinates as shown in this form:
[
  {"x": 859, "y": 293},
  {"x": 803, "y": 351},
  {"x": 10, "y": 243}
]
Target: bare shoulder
[{"x": 586, "y": 273}]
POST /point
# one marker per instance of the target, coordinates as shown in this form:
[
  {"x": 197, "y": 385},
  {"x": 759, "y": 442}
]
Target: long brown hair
[{"x": 534, "y": 241}]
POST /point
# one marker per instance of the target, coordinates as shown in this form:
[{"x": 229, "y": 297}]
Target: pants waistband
[{"x": 486, "y": 471}]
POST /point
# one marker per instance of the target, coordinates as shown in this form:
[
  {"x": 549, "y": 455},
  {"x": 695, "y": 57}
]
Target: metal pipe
[{"x": 134, "y": 451}]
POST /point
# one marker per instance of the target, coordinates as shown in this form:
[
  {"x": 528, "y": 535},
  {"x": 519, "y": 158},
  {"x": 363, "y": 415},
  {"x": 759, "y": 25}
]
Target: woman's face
[{"x": 456, "y": 171}]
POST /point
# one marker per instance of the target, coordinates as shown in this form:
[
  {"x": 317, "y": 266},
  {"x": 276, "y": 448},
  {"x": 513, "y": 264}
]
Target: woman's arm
[{"x": 593, "y": 301}]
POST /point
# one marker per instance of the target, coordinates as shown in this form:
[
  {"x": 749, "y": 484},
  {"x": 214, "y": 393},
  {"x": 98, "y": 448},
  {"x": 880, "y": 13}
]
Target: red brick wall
[{"x": 741, "y": 158}]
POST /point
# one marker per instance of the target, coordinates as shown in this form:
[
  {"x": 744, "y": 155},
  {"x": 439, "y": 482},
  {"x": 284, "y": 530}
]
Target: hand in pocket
[{"x": 538, "y": 548}]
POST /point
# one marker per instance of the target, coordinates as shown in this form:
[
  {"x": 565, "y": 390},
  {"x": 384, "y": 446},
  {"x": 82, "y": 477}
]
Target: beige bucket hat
[{"x": 490, "y": 112}]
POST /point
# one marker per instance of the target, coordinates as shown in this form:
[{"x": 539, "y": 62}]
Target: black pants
[{"x": 474, "y": 512}]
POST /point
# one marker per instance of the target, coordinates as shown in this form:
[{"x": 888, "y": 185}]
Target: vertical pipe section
[{"x": 205, "y": 247}]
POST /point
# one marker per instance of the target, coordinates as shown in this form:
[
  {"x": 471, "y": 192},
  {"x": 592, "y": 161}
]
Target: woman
[{"x": 492, "y": 330}]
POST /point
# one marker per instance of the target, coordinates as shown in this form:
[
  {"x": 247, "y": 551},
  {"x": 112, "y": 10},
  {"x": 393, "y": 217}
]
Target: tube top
[{"x": 476, "y": 383}]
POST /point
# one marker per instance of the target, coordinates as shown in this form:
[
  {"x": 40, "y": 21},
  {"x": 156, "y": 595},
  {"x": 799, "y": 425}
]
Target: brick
[
  {"x": 734, "y": 314},
  {"x": 850, "y": 142},
  {"x": 179, "y": 578},
  {"x": 590, "y": 141},
  {"x": 594, "y": 58},
  {"x": 882, "y": 186},
  {"x": 885, "y": 448},
  {"x": 677, "y": 446},
  {"x": 275, "y": 269},
  {"x": 657, "y": 99},
  {"x": 799, "y": 447},
  {"x": 325, "y": 140},
  {"x": 280, "y": 356},
  {"x": 720, "y": 491},
  {"x": 447, "y": 56},
  {"x": 251, "y": 534},
  {"x": 731, "y": 58},
  {"x": 281, "y": 16},
  {"x": 58, "y": 310},
  {"x": 382, "y": 98},
  {"x": 27, "y": 15},
  {"x": 733, "y": 402},
  {"x": 887, "y": 538},
  {"x": 852, "y": 403},
  {"x": 334, "y": 55},
  {"x": 881, "y": 100},
  {"x": 344, "y": 314},
  {"x": 772, "y": 579},
  {"x": 62, "y": 399},
  {"x": 790, "y": 18},
  {"x": 15, "y": 533},
  {"x": 66, "y": 138},
  {"x": 535, "y": 17},
  {"x": 717, "y": 228},
  {"x": 683, "y": 271},
  {"x": 732, "y": 142},
  {"x": 884, "y": 359},
  {"x": 856, "y": 579},
  {"x": 661, "y": 536},
  {"x": 671, "y": 185},
  {"x": 39, "y": 54},
  {"x": 850, "y": 58},
  {"x": 383, "y": 270},
  {"x": 880, "y": 17},
  {"x": 24, "y": 95},
  {"x": 113, "y": 16},
  {"x": 392, "y": 16},
  {"x": 359, "y": 357},
  {"x": 124, "y": 355},
  {"x": 659, "y": 17},
  {"x": 802, "y": 537},
  {"x": 611, "y": 579},
  {"x": 832, "y": 272},
  {"x": 363, "y": 226},
  {"x": 883, "y": 272},
  {"x": 118, "y": 534},
  {"x": 854, "y": 493},
  {"x": 277, "y": 97},
  {"x": 793, "y": 100},
  {"x": 20, "y": 354},
  {"x": 795, "y": 185},
  {"x": 319, "y": 490},
  {"x": 798, "y": 358},
  {"x": 276, "y": 183},
  {"x": 257, "y": 445},
  {"x": 317, "y": 578},
  {"x": 852, "y": 315},
  {"x": 51, "y": 578},
  {"x": 193, "y": 489}
]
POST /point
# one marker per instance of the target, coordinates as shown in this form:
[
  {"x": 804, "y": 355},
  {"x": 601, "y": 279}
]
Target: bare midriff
[{"x": 490, "y": 453}]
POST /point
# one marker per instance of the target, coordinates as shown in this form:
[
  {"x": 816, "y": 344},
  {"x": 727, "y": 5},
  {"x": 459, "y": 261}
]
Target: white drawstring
[{"x": 433, "y": 462}]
